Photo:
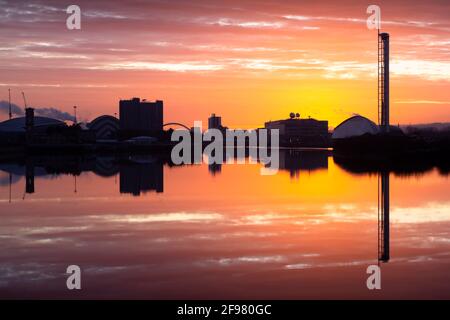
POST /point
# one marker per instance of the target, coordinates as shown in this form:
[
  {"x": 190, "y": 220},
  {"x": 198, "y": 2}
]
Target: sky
[{"x": 249, "y": 61}]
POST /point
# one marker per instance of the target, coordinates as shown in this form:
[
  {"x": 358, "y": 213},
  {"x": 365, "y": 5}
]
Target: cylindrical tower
[{"x": 383, "y": 81}]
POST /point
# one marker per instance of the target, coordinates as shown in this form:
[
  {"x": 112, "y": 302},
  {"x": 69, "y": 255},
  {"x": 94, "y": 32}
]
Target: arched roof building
[
  {"x": 17, "y": 125},
  {"x": 105, "y": 127},
  {"x": 354, "y": 127}
]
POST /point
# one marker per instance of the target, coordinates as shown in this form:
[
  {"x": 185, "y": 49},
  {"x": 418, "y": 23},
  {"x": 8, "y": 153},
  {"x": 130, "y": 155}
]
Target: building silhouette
[
  {"x": 214, "y": 122},
  {"x": 105, "y": 127},
  {"x": 141, "y": 117},
  {"x": 301, "y": 132}
]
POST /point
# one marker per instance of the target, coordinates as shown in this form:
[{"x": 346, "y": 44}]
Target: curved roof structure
[
  {"x": 18, "y": 124},
  {"x": 176, "y": 124},
  {"x": 105, "y": 126},
  {"x": 354, "y": 127}
]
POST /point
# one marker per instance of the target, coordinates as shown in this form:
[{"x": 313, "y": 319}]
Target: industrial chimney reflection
[
  {"x": 383, "y": 217},
  {"x": 29, "y": 176}
]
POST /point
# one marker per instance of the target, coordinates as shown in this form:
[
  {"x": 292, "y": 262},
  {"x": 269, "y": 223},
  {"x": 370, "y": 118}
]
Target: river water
[{"x": 142, "y": 228}]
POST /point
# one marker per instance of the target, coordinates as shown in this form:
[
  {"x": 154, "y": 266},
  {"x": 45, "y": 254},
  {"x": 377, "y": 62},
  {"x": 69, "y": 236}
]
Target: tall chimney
[{"x": 29, "y": 118}]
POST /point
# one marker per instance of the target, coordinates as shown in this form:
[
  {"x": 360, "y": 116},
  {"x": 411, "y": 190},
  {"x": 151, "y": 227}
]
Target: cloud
[
  {"x": 15, "y": 109},
  {"x": 225, "y": 22},
  {"x": 49, "y": 112},
  {"x": 54, "y": 113},
  {"x": 403, "y": 23},
  {"x": 427, "y": 69},
  {"x": 422, "y": 102},
  {"x": 161, "y": 66}
]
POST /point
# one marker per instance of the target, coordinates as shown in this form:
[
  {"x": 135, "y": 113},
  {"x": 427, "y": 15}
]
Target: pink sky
[{"x": 249, "y": 61}]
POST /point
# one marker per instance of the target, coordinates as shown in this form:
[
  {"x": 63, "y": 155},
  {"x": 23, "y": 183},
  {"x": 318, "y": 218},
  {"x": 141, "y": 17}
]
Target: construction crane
[
  {"x": 9, "y": 96},
  {"x": 24, "y": 100}
]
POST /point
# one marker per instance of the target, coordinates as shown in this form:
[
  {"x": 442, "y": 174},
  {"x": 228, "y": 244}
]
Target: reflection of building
[
  {"x": 383, "y": 217},
  {"x": 141, "y": 116},
  {"x": 295, "y": 161},
  {"x": 141, "y": 177},
  {"x": 215, "y": 168},
  {"x": 29, "y": 177},
  {"x": 301, "y": 132}
]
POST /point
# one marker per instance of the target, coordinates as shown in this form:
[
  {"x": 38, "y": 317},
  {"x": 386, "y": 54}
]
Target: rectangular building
[
  {"x": 301, "y": 132},
  {"x": 214, "y": 122},
  {"x": 141, "y": 116}
]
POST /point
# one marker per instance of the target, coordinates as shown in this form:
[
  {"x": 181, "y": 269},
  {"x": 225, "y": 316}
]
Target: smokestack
[{"x": 29, "y": 118}]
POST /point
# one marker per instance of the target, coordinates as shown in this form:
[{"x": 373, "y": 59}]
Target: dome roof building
[
  {"x": 354, "y": 127},
  {"x": 17, "y": 125},
  {"x": 105, "y": 127}
]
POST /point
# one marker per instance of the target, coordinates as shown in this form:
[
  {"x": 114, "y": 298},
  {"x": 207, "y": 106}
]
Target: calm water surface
[{"x": 143, "y": 229}]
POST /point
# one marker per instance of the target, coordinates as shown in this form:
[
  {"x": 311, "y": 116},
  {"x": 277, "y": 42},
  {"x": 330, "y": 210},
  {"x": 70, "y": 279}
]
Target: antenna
[{"x": 9, "y": 95}]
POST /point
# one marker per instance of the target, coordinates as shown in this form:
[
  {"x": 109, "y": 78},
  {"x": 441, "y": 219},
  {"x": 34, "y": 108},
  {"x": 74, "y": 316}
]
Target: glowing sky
[{"x": 249, "y": 61}]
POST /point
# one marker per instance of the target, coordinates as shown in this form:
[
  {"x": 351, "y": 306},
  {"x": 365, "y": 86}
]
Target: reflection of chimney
[
  {"x": 383, "y": 218},
  {"x": 29, "y": 177},
  {"x": 29, "y": 118}
]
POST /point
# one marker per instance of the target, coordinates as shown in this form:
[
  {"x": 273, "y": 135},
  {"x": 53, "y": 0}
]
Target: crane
[
  {"x": 9, "y": 96},
  {"x": 24, "y": 100}
]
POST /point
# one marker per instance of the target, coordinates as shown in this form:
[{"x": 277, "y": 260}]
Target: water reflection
[
  {"x": 383, "y": 217},
  {"x": 296, "y": 161},
  {"x": 148, "y": 228},
  {"x": 138, "y": 173},
  {"x": 141, "y": 174}
]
